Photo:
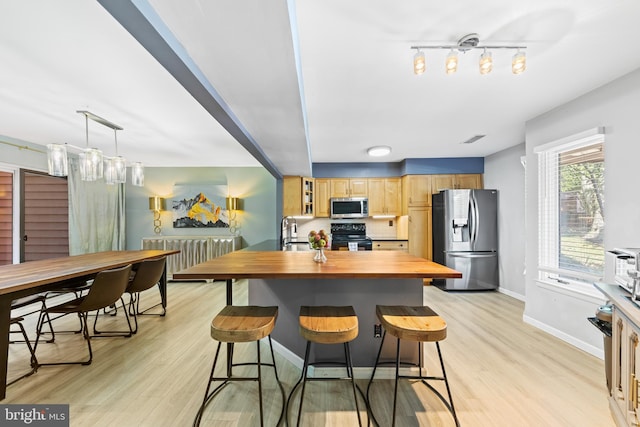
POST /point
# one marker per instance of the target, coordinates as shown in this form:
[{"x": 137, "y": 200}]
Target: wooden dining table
[{"x": 34, "y": 277}]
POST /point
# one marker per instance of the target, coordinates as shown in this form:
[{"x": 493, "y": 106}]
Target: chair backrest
[
  {"x": 107, "y": 287},
  {"x": 147, "y": 275}
]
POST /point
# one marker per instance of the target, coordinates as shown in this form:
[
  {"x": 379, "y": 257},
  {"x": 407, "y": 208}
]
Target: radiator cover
[{"x": 193, "y": 249}]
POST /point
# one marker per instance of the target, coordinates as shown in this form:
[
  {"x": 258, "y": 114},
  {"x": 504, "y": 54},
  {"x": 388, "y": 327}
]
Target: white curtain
[{"x": 96, "y": 214}]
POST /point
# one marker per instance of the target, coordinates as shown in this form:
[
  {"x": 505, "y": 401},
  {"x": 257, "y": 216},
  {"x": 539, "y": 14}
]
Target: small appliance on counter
[
  {"x": 621, "y": 264},
  {"x": 352, "y": 234}
]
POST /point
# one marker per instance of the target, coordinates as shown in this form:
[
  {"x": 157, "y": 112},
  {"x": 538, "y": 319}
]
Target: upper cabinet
[
  {"x": 416, "y": 191},
  {"x": 385, "y": 196},
  {"x": 469, "y": 180},
  {"x": 349, "y": 187},
  {"x": 321, "y": 201},
  {"x": 458, "y": 181},
  {"x": 297, "y": 196}
]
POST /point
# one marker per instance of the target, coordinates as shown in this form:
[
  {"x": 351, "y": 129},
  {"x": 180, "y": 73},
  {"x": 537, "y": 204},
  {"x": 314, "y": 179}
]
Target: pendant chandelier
[{"x": 93, "y": 164}]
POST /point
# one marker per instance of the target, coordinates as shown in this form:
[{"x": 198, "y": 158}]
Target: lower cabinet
[
  {"x": 390, "y": 245},
  {"x": 625, "y": 368}
]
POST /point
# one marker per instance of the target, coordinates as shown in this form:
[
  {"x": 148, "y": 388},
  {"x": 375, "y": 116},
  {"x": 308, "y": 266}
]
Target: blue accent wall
[
  {"x": 435, "y": 166},
  {"x": 443, "y": 165}
]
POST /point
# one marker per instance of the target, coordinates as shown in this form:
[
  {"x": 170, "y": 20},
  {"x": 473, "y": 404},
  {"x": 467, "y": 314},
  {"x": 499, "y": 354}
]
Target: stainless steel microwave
[{"x": 349, "y": 207}]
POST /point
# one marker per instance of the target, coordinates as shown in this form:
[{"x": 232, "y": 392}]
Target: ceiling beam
[{"x": 142, "y": 22}]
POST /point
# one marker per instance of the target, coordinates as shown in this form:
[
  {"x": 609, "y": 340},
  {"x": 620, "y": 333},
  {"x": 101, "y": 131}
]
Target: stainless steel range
[{"x": 355, "y": 233}]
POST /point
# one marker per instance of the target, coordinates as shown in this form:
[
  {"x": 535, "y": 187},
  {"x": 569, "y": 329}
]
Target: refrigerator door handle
[
  {"x": 474, "y": 218},
  {"x": 470, "y": 255}
]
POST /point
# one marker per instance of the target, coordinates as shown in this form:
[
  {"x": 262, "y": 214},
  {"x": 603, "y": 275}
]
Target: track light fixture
[{"x": 465, "y": 44}]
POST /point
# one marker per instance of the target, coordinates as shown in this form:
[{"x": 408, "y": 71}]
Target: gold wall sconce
[
  {"x": 157, "y": 204},
  {"x": 233, "y": 205}
]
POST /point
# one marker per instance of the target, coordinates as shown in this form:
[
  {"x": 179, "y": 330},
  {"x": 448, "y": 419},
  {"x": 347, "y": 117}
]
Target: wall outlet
[
  {"x": 390, "y": 223},
  {"x": 377, "y": 330}
]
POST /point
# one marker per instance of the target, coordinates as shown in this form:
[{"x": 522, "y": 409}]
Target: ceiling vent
[{"x": 473, "y": 139}]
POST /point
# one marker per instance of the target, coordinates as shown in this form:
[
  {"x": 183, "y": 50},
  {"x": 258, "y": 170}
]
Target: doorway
[{"x": 44, "y": 216}]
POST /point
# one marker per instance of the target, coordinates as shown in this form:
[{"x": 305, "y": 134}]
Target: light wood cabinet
[
  {"x": 322, "y": 191},
  {"x": 390, "y": 245},
  {"x": 469, "y": 180},
  {"x": 420, "y": 232},
  {"x": 625, "y": 369},
  {"x": 385, "y": 196},
  {"x": 416, "y": 191},
  {"x": 442, "y": 182},
  {"x": 457, "y": 181},
  {"x": 349, "y": 187},
  {"x": 297, "y": 196}
]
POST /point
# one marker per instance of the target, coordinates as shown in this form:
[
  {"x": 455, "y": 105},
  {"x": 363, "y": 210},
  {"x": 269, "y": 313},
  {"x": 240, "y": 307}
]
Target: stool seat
[
  {"x": 419, "y": 323},
  {"x": 328, "y": 324},
  {"x": 243, "y": 323}
]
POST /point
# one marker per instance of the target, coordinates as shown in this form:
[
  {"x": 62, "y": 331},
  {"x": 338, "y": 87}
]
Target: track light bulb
[
  {"x": 486, "y": 63},
  {"x": 518, "y": 63},
  {"x": 419, "y": 63},
  {"x": 451, "y": 63}
]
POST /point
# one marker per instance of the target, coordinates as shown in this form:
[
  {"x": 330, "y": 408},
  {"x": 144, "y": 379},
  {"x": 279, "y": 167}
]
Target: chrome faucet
[{"x": 288, "y": 227}]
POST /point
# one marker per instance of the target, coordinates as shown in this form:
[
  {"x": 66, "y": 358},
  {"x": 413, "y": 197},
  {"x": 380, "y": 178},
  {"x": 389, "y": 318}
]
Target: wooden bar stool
[
  {"x": 327, "y": 325},
  {"x": 237, "y": 324},
  {"x": 419, "y": 324}
]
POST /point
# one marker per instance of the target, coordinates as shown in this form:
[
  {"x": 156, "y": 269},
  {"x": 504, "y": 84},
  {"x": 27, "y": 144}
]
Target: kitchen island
[{"x": 291, "y": 278}]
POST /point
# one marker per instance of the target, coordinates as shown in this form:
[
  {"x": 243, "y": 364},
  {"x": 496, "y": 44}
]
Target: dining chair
[
  {"x": 17, "y": 321},
  {"x": 146, "y": 274},
  {"x": 23, "y": 303},
  {"x": 107, "y": 288}
]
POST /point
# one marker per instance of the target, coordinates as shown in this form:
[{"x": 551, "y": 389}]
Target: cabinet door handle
[
  {"x": 619, "y": 327},
  {"x": 633, "y": 381}
]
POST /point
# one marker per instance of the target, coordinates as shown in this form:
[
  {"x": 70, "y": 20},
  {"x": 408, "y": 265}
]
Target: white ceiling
[{"x": 285, "y": 84}]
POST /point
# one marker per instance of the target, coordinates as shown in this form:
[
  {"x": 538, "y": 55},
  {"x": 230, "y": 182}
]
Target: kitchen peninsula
[{"x": 290, "y": 279}]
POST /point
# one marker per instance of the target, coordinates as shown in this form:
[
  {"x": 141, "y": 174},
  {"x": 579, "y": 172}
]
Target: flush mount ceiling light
[
  {"x": 464, "y": 45},
  {"x": 379, "y": 151}
]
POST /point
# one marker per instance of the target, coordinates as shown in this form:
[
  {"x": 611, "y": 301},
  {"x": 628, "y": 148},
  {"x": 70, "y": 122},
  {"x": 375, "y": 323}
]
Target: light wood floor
[{"x": 502, "y": 372}]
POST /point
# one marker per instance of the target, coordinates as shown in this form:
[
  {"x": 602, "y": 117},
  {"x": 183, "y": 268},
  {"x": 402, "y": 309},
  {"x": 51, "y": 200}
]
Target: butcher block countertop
[{"x": 247, "y": 264}]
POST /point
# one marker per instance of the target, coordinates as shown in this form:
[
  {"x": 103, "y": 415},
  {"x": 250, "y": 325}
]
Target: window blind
[{"x": 571, "y": 209}]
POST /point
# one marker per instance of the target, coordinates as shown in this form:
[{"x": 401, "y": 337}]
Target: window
[{"x": 571, "y": 208}]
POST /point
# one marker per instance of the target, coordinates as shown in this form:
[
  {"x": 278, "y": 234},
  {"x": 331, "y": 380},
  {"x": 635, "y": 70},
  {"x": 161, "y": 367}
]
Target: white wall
[
  {"x": 614, "y": 106},
  {"x": 504, "y": 172}
]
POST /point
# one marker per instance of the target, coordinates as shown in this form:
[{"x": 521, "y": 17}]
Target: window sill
[{"x": 584, "y": 291}]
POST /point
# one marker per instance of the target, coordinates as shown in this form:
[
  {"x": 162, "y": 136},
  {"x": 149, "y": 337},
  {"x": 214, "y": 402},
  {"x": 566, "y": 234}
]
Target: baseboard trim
[
  {"x": 511, "y": 294},
  {"x": 594, "y": 351}
]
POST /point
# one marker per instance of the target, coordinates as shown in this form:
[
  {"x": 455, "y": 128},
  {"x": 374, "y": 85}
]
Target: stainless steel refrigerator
[{"x": 465, "y": 237}]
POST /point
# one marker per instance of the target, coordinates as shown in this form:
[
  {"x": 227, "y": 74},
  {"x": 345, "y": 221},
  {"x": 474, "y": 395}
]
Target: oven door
[{"x": 343, "y": 245}]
